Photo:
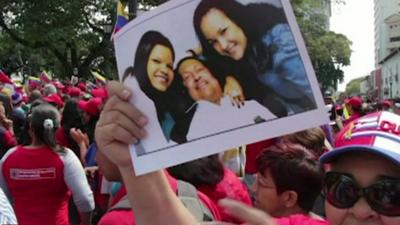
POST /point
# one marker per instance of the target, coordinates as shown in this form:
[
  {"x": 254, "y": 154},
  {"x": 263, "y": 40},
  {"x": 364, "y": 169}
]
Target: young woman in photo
[
  {"x": 153, "y": 72},
  {"x": 257, "y": 42}
]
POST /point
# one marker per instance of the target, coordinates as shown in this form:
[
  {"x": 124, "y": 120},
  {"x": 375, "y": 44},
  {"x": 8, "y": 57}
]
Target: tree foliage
[
  {"x": 329, "y": 51},
  {"x": 62, "y": 35},
  {"x": 66, "y": 34},
  {"x": 353, "y": 87}
]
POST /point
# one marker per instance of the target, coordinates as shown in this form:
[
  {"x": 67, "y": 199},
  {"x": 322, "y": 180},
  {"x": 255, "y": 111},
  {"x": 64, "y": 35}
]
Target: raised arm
[{"x": 151, "y": 197}]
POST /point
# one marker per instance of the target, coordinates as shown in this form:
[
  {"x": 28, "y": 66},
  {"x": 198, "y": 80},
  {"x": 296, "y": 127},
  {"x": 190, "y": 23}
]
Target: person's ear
[{"x": 290, "y": 199}]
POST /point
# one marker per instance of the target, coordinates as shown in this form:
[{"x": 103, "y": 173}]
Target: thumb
[{"x": 118, "y": 89}]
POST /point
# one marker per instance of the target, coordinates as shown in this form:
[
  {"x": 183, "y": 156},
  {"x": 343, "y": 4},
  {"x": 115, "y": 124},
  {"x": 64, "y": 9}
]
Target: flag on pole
[
  {"x": 122, "y": 17},
  {"x": 4, "y": 78},
  {"x": 33, "y": 82},
  {"x": 98, "y": 77},
  {"x": 44, "y": 76},
  {"x": 346, "y": 113}
]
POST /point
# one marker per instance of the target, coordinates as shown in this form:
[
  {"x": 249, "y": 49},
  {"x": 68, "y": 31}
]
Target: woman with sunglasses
[{"x": 362, "y": 186}]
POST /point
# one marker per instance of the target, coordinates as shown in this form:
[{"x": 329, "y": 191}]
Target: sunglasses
[{"x": 383, "y": 196}]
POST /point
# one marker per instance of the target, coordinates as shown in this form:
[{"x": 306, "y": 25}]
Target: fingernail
[
  {"x": 142, "y": 121},
  {"x": 126, "y": 94}
]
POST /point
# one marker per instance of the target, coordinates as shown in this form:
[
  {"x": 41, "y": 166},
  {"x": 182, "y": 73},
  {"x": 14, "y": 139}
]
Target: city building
[
  {"x": 386, "y": 13},
  {"x": 365, "y": 86},
  {"x": 391, "y": 74},
  {"x": 387, "y": 46}
]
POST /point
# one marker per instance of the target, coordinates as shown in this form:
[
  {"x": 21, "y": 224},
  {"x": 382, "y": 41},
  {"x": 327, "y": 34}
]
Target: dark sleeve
[{"x": 181, "y": 127}]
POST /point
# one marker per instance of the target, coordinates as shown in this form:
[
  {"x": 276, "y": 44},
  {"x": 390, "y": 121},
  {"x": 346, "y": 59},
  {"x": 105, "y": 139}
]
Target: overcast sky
[{"x": 355, "y": 19}]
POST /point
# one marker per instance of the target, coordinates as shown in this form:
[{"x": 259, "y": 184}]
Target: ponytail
[
  {"x": 49, "y": 136},
  {"x": 45, "y": 120}
]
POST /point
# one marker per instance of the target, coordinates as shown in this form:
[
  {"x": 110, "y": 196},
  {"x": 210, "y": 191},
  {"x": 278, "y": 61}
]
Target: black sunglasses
[{"x": 383, "y": 196}]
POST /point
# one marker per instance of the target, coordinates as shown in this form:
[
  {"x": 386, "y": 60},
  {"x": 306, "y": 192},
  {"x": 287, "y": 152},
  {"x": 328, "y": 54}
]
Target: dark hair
[
  {"x": 358, "y": 109},
  {"x": 71, "y": 118},
  {"x": 91, "y": 127},
  {"x": 146, "y": 44},
  {"x": 139, "y": 69},
  {"x": 24, "y": 137},
  {"x": 313, "y": 139},
  {"x": 35, "y": 94},
  {"x": 46, "y": 135},
  {"x": 293, "y": 168},
  {"x": 205, "y": 171},
  {"x": 263, "y": 17}
]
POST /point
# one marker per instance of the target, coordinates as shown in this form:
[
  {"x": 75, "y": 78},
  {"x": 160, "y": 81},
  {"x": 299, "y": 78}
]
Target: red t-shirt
[
  {"x": 61, "y": 138},
  {"x": 127, "y": 217},
  {"x": 254, "y": 150},
  {"x": 35, "y": 179},
  {"x": 7, "y": 139},
  {"x": 229, "y": 187},
  {"x": 300, "y": 220}
]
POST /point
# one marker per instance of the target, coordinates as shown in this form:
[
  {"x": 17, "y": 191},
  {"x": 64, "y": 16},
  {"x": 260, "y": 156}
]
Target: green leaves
[
  {"x": 329, "y": 51},
  {"x": 61, "y": 35}
]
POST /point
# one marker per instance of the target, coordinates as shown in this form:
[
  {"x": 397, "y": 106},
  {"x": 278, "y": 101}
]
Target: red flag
[
  {"x": 4, "y": 78},
  {"x": 44, "y": 77}
]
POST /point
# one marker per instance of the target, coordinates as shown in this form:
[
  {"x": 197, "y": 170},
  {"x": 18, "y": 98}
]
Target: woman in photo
[
  {"x": 153, "y": 72},
  {"x": 257, "y": 42}
]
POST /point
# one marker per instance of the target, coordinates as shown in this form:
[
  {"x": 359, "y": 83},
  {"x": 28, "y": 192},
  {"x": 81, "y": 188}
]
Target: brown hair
[
  {"x": 293, "y": 168},
  {"x": 312, "y": 139}
]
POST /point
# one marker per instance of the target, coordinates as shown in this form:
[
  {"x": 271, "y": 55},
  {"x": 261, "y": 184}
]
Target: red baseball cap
[
  {"x": 58, "y": 85},
  {"x": 100, "y": 93},
  {"x": 387, "y": 103},
  {"x": 54, "y": 98},
  {"x": 74, "y": 92},
  {"x": 92, "y": 106},
  {"x": 338, "y": 107},
  {"x": 354, "y": 101},
  {"x": 376, "y": 133},
  {"x": 82, "y": 86}
]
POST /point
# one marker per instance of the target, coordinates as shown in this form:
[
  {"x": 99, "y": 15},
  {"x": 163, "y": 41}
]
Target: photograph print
[{"x": 215, "y": 74}]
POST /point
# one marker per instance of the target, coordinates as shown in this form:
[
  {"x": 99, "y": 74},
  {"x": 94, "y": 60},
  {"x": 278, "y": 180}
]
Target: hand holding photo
[{"x": 210, "y": 77}]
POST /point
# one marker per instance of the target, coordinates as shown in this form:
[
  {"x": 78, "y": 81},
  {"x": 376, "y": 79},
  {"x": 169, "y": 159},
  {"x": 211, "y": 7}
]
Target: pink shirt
[
  {"x": 229, "y": 187},
  {"x": 127, "y": 217},
  {"x": 300, "y": 220},
  {"x": 39, "y": 181}
]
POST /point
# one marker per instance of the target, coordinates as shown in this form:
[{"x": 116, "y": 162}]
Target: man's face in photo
[{"x": 199, "y": 81}]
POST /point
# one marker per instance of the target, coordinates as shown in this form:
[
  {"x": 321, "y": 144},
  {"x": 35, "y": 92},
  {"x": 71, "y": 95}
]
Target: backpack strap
[{"x": 187, "y": 193}]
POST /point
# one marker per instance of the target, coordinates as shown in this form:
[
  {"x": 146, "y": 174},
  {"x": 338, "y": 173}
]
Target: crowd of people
[
  {"x": 65, "y": 160},
  {"x": 64, "y": 145}
]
